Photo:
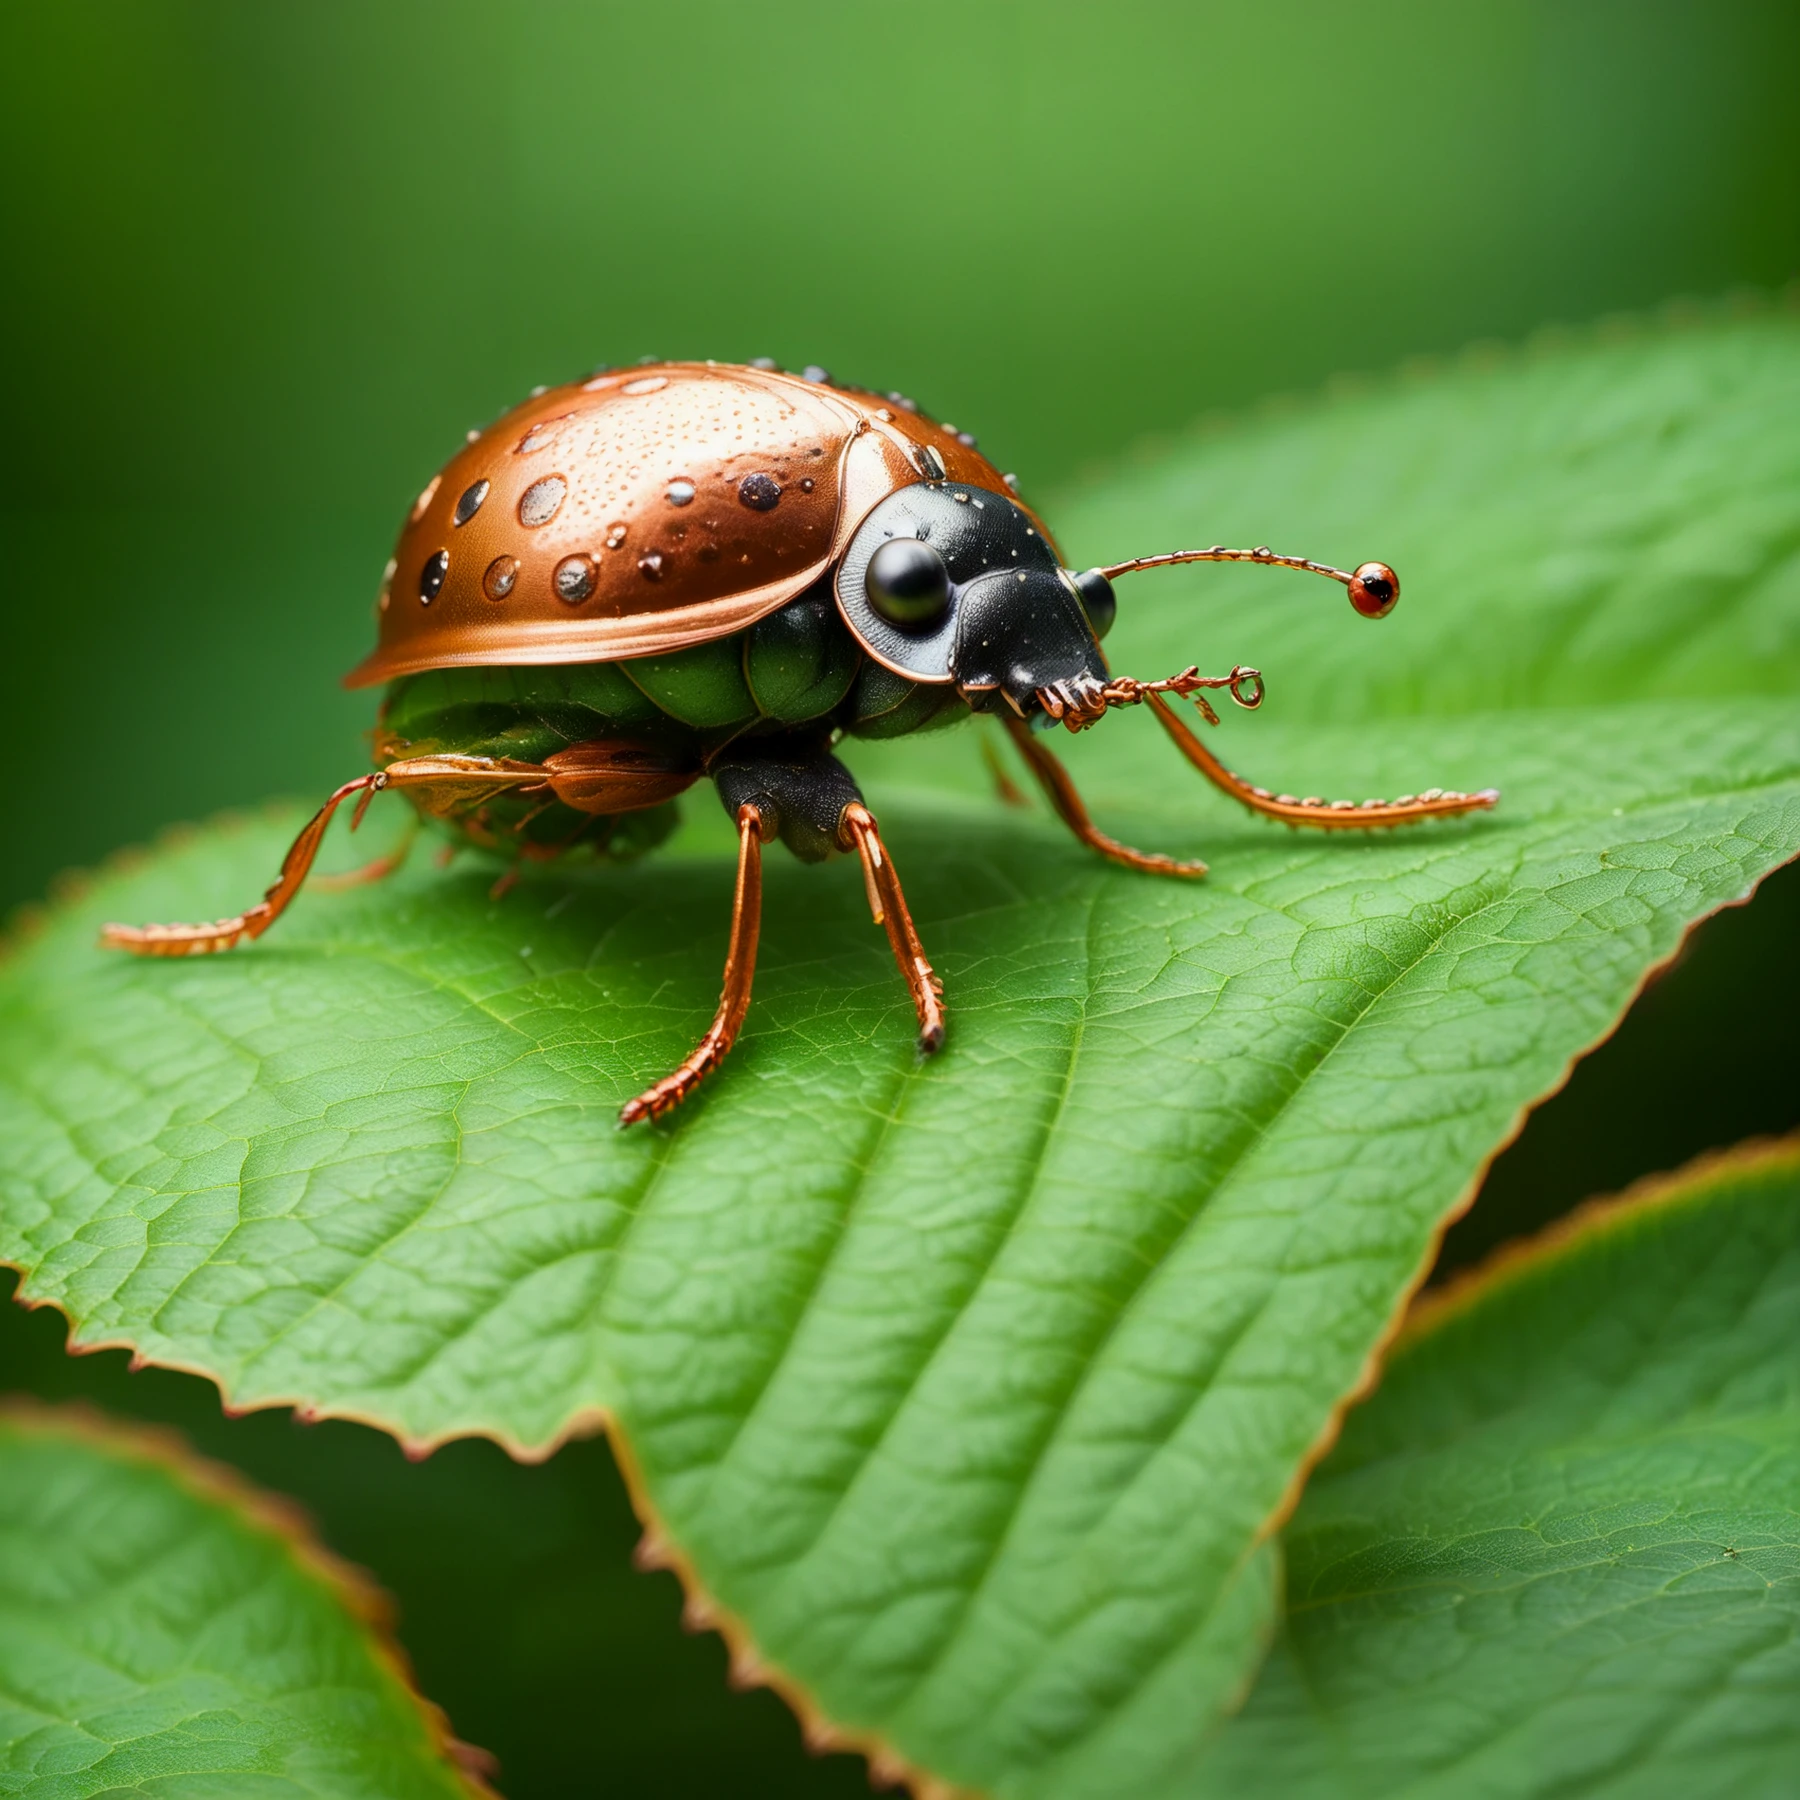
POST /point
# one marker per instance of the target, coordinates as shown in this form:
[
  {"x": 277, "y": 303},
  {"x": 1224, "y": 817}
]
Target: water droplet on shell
[
  {"x": 431, "y": 577},
  {"x": 469, "y": 504},
  {"x": 574, "y": 579},
  {"x": 759, "y": 492},
  {"x": 539, "y": 503},
  {"x": 680, "y": 493},
  {"x": 498, "y": 578}
]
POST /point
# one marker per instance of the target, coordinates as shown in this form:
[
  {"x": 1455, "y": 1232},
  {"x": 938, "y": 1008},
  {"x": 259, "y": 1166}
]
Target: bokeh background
[{"x": 265, "y": 265}]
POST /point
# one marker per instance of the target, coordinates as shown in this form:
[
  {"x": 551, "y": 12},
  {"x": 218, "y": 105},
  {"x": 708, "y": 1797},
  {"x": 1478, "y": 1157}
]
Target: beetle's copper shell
[{"x": 643, "y": 511}]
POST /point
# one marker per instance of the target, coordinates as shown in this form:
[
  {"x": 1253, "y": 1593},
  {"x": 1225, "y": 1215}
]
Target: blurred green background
[{"x": 267, "y": 264}]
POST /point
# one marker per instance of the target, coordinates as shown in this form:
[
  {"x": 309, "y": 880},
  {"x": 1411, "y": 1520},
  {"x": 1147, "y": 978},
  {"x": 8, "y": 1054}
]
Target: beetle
[{"x": 686, "y": 570}]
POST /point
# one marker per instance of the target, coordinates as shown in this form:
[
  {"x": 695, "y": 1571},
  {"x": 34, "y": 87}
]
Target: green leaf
[
  {"x": 1559, "y": 1551},
  {"x": 167, "y": 1630},
  {"x": 972, "y": 1391}
]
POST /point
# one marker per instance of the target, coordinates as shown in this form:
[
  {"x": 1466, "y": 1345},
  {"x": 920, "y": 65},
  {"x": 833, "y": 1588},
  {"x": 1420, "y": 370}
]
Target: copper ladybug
[{"x": 700, "y": 570}]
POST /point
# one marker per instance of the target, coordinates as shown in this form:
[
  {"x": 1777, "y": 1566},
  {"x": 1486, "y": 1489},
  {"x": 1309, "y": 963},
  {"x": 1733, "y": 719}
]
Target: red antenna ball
[{"x": 1374, "y": 590}]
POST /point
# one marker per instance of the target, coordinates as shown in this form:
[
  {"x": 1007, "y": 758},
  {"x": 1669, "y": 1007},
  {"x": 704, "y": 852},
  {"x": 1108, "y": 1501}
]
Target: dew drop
[
  {"x": 498, "y": 578},
  {"x": 615, "y": 537},
  {"x": 764, "y": 362},
  {"x": 813, "y": 372},
  {"x": 901, "y": 401},
  {"x": 680, "y": 493},
  {"x": 966, "y": 439},
  {"x": 431, "y": 577},
  {"x": 882, "y": 413},
  {"x": 598, "y": 383},
  {"x": 1012, "y": 481},
  {"x": 759, "y": 492},
  {"x": 470, "y": 503},
  {"x": 645, "y": 384},
  {"x": 539, "y": 503},
  {"x": 425, "y": 498},
  {"x": 545, "y": 431},
  {"x": 472, "y": 435},
  {"x": 574, "y": 579},
  {"x": 650, "y": 565},
  {"x": 806, "y": 486}
]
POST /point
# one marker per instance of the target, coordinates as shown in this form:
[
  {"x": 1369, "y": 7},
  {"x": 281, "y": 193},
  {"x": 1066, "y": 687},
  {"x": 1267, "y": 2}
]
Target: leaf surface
[
  {"x": 971, "y": 1390},
  {"x": 166, "y": 1630},
  {"x": 1559, "y": 1551}
]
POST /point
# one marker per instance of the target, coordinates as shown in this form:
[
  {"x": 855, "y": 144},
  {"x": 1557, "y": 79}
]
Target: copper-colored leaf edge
[
  {"x": 271, "y": 1515},
  {"x": 888, "y": 1768}
]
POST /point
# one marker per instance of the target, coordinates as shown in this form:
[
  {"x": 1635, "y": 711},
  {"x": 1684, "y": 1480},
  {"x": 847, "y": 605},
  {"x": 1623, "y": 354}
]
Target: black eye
[
  {"x": 907, "y": 583},
  {"x": 1098, "y": 600}
]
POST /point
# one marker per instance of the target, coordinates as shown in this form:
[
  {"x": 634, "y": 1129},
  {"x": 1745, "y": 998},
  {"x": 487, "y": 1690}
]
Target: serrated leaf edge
[
  {"x": 748, "y": 1668},
  {"x": 271, "y": 1515},
  {"x": 1415, "y": 1303}
]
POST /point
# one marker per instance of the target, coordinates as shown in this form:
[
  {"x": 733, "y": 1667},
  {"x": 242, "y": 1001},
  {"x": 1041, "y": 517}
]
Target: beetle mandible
[{"x": 703, "y": 569}]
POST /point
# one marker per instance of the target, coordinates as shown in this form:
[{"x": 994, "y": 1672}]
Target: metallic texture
[
  {"x": 888, "y": 906},
  {"x": 734, "y": 1002},
  {"x": 1059, "y": 790},
  {"x": 1323, "y": 815},
  {"x": 699, "y": 497}
]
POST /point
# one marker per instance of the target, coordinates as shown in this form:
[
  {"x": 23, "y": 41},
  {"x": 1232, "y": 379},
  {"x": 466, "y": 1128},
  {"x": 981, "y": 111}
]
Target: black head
[{"x": 955, "y": 584}]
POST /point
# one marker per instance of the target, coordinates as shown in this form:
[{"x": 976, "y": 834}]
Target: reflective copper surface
[{"x": 642, "y": 511}]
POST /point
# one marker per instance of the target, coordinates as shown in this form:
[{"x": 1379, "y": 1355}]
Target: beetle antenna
[{"x": 1374, "y": 587}]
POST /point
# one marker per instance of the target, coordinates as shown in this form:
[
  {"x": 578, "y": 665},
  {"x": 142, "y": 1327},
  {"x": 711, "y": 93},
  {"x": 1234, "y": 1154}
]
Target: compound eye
[
  {"x": 907, "y": 583},
  {"x": 1374, "y": 590},
  {"x": 1098, "y": 600}
]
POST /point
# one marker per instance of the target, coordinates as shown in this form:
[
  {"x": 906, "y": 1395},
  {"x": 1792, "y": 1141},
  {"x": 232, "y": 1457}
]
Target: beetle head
[{"x": 945, "y": 583}]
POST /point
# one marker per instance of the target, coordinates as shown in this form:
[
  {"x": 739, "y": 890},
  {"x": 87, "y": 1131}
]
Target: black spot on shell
[
  {"x": 761, "y": 493},
  {"x": 650, "y": 565},
  {"x": 470, "y": 503},
  {"x": 431, "y": 577}
]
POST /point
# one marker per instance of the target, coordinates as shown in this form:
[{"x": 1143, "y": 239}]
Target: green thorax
[{"x": 798, "y": 667}]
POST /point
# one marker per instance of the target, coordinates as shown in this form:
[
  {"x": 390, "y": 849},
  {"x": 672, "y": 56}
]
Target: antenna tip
[{"x": 1374, "y": 590}]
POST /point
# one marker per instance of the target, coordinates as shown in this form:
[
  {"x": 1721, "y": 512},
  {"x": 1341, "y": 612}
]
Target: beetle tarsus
[
  {"x": 734, "y": 1002},
  {"x": 224, "y": 934},
  {"x": 888, "y": 905},
  {"x": 1324, "y": 815},
  {"x": 1060, "y": 791}
]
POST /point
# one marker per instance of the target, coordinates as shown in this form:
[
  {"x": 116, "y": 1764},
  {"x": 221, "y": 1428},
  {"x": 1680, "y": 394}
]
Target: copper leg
[
  {"x": 734, "y": 1002},
  {"x": 888, "y": 904},
  {"x": 454, "y": 776},
  {"x": 221, "y": 934},
  {"x": 1006, "y": 790},
  {"x": 377, "y": 870},
  {"x": 1060, "y": 790},
  {"x": 1326, "y": 815}
]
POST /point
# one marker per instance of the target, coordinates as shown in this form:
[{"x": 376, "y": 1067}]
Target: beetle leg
[
  {"x": 888, "y": 904},
  {"x": 381, "y": 867},
  {"x": 734, "y": 1002},
  {"x": 455, "y": 774},
  {"x": 1327, "y": 815},
  {"x": 1006, "y": 790},
  {"x": 1060, "y": 791}
]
